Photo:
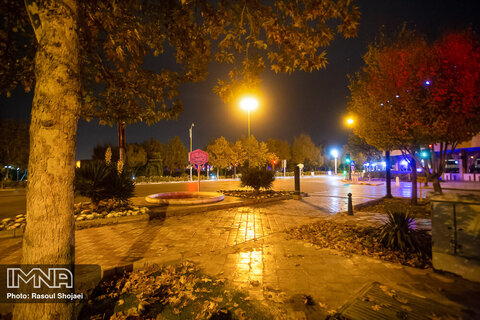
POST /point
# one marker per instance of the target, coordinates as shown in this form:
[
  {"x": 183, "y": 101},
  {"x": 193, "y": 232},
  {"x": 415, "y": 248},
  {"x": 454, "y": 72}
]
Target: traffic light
[
  {"x": 424, "y": 154},
  {"x": 347, "y": 158}
]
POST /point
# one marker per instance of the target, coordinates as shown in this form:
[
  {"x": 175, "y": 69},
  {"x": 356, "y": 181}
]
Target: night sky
[{"x": 300, "y": 103}]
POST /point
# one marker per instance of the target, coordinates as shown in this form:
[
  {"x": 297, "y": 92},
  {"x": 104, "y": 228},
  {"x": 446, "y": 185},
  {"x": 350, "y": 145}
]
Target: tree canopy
[
  {"x": 219, "y": 153},
  {"x": 256, "y": 152},
  {"x": 175, "y": 155},
  {"x": 280, "y": 148},
  {"x": 411, "y": 94},
  {"x": 304, "y": 151},
  {"x": 76, "y": 44},
  {"x": 360, "y": 150}
]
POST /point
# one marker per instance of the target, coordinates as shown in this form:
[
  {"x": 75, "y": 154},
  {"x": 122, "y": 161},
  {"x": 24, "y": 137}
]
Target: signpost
[
  {"x": 198, "y": 157},
  {"x": 300, "y": 165},
  {"x": 421, "y": 180}
]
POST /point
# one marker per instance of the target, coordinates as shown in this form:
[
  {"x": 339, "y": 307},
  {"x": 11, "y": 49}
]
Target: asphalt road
[{"x": 12, "y": 202}]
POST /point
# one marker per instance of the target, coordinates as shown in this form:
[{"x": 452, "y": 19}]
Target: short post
[
  {"x": 397, "y": 181},
  {"x": 198, "y": 172},
  {"x": 297, "y": 183},
  {"x": 350, "y": 206}
]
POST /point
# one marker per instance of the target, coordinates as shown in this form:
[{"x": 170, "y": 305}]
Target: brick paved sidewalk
[{"x": 248, "y": 246}]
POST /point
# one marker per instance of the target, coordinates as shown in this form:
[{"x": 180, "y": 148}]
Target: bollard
[
  {"x": 350, "y": 207},
  {"x": 397, "y": 181},
  {"x": 297, "y": 195}
]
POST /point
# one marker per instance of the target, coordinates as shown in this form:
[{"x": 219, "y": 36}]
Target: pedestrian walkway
[{"x": 248, "y": 247}]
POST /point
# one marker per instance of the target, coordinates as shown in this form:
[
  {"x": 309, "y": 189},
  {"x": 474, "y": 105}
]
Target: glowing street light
[
  {"x": 249, "y": 103},
  {"x": 350, "y": 121},
  {"x": 334, "y": 153}
]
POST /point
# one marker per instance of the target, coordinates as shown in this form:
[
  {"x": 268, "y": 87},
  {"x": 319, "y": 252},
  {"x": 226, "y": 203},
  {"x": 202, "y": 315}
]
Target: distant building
[{"x": 462, "y": 164}]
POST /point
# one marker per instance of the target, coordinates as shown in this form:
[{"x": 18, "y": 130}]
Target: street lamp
[
  {"x": 350, "y": 122},
  {"x": 249, "y": 103},
  {"x": 191, "y": 134},
  {"x": 334, "y": 153}
]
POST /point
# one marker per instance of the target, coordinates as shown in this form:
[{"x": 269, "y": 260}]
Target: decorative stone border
[{"x": 195, "y": 198}]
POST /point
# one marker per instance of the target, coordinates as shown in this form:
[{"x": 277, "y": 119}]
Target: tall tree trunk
[
  {"x": 49, "y": 234},
  {"x": 388, "y": 176},
  {"x": 413, "y": 164},
  {"x": 436, "y": 184},
  {"x": 437, "y": 170},
  {"x": 121, "y": 141}
]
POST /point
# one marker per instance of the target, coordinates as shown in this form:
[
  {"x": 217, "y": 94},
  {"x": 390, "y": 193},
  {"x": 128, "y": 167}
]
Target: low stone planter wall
[{"x": 13, "y": 223}]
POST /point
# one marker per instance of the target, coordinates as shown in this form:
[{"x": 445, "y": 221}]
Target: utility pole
[
  {"x": 191, "y": 137},
  {"x": 249, "y": 138}
]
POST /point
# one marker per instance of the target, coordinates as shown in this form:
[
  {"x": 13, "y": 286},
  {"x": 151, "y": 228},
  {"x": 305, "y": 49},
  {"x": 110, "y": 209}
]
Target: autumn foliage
[{"x": 411, "y": 93}]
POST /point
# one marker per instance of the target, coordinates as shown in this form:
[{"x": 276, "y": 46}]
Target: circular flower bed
[{"x": 184, "y": 198}]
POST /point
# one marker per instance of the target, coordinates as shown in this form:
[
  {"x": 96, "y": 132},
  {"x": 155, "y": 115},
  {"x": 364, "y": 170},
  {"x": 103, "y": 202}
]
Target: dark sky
[{"x": 300, "y": 103}]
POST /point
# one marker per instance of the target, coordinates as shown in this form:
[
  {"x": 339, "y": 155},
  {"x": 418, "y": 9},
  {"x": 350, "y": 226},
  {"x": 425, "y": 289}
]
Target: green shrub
[
  {"x": 90, "y": 180},
  {"x": 397, "y": 233},
  {"x": 119, "y": 186},
  {"x": 257, "y": 178},
  {"x": 99, "y": 181}
]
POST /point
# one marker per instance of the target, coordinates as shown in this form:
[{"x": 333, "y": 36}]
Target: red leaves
[{"x": 437, "y": 87}]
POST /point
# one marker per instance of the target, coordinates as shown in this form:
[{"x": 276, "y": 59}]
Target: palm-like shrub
[
  {"x": 119, "y": 186},
  {"x": 90, "y": 181},
  {"x": 257, "y": 178},
  {"x": 99, "y": 181},
  {"x": 397, "y": 233}
]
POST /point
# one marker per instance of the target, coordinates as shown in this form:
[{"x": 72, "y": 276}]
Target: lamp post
[
  {"x": 191, "y": 135},
  {"x": 334, "y": 153},
  {"x": 249, "y": 103}
]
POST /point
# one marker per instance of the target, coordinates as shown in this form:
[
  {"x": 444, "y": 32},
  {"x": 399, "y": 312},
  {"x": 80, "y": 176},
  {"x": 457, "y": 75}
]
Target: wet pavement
[
  {"x": 12, "y": 202},
  {"x": 249, "y": 248}
]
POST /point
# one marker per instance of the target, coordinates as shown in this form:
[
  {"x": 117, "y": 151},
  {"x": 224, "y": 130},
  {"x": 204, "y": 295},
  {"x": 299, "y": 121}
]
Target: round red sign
[{"x": 198, "y": 157}]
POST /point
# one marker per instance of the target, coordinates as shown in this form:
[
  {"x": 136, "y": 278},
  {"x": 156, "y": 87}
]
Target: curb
[
  {"x": 158, "y": 212},
  {"x": 362, "y": 183},
  {"x": 162, "y": 212},
  {"x": 455, "y": 189}
]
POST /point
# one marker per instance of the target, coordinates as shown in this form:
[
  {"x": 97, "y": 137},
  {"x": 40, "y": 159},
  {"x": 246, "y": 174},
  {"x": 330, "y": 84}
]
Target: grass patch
[
  {"x": 170, "y": 292},
  {"x": 364, "y": 241}
]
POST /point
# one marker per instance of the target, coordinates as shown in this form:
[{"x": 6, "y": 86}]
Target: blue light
[
  {"x": 397, "y": 96},
  {"x": 427, "y": 83},
  {"x": 403, "y": 162},
  {"x": 381, "y": 104}
]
